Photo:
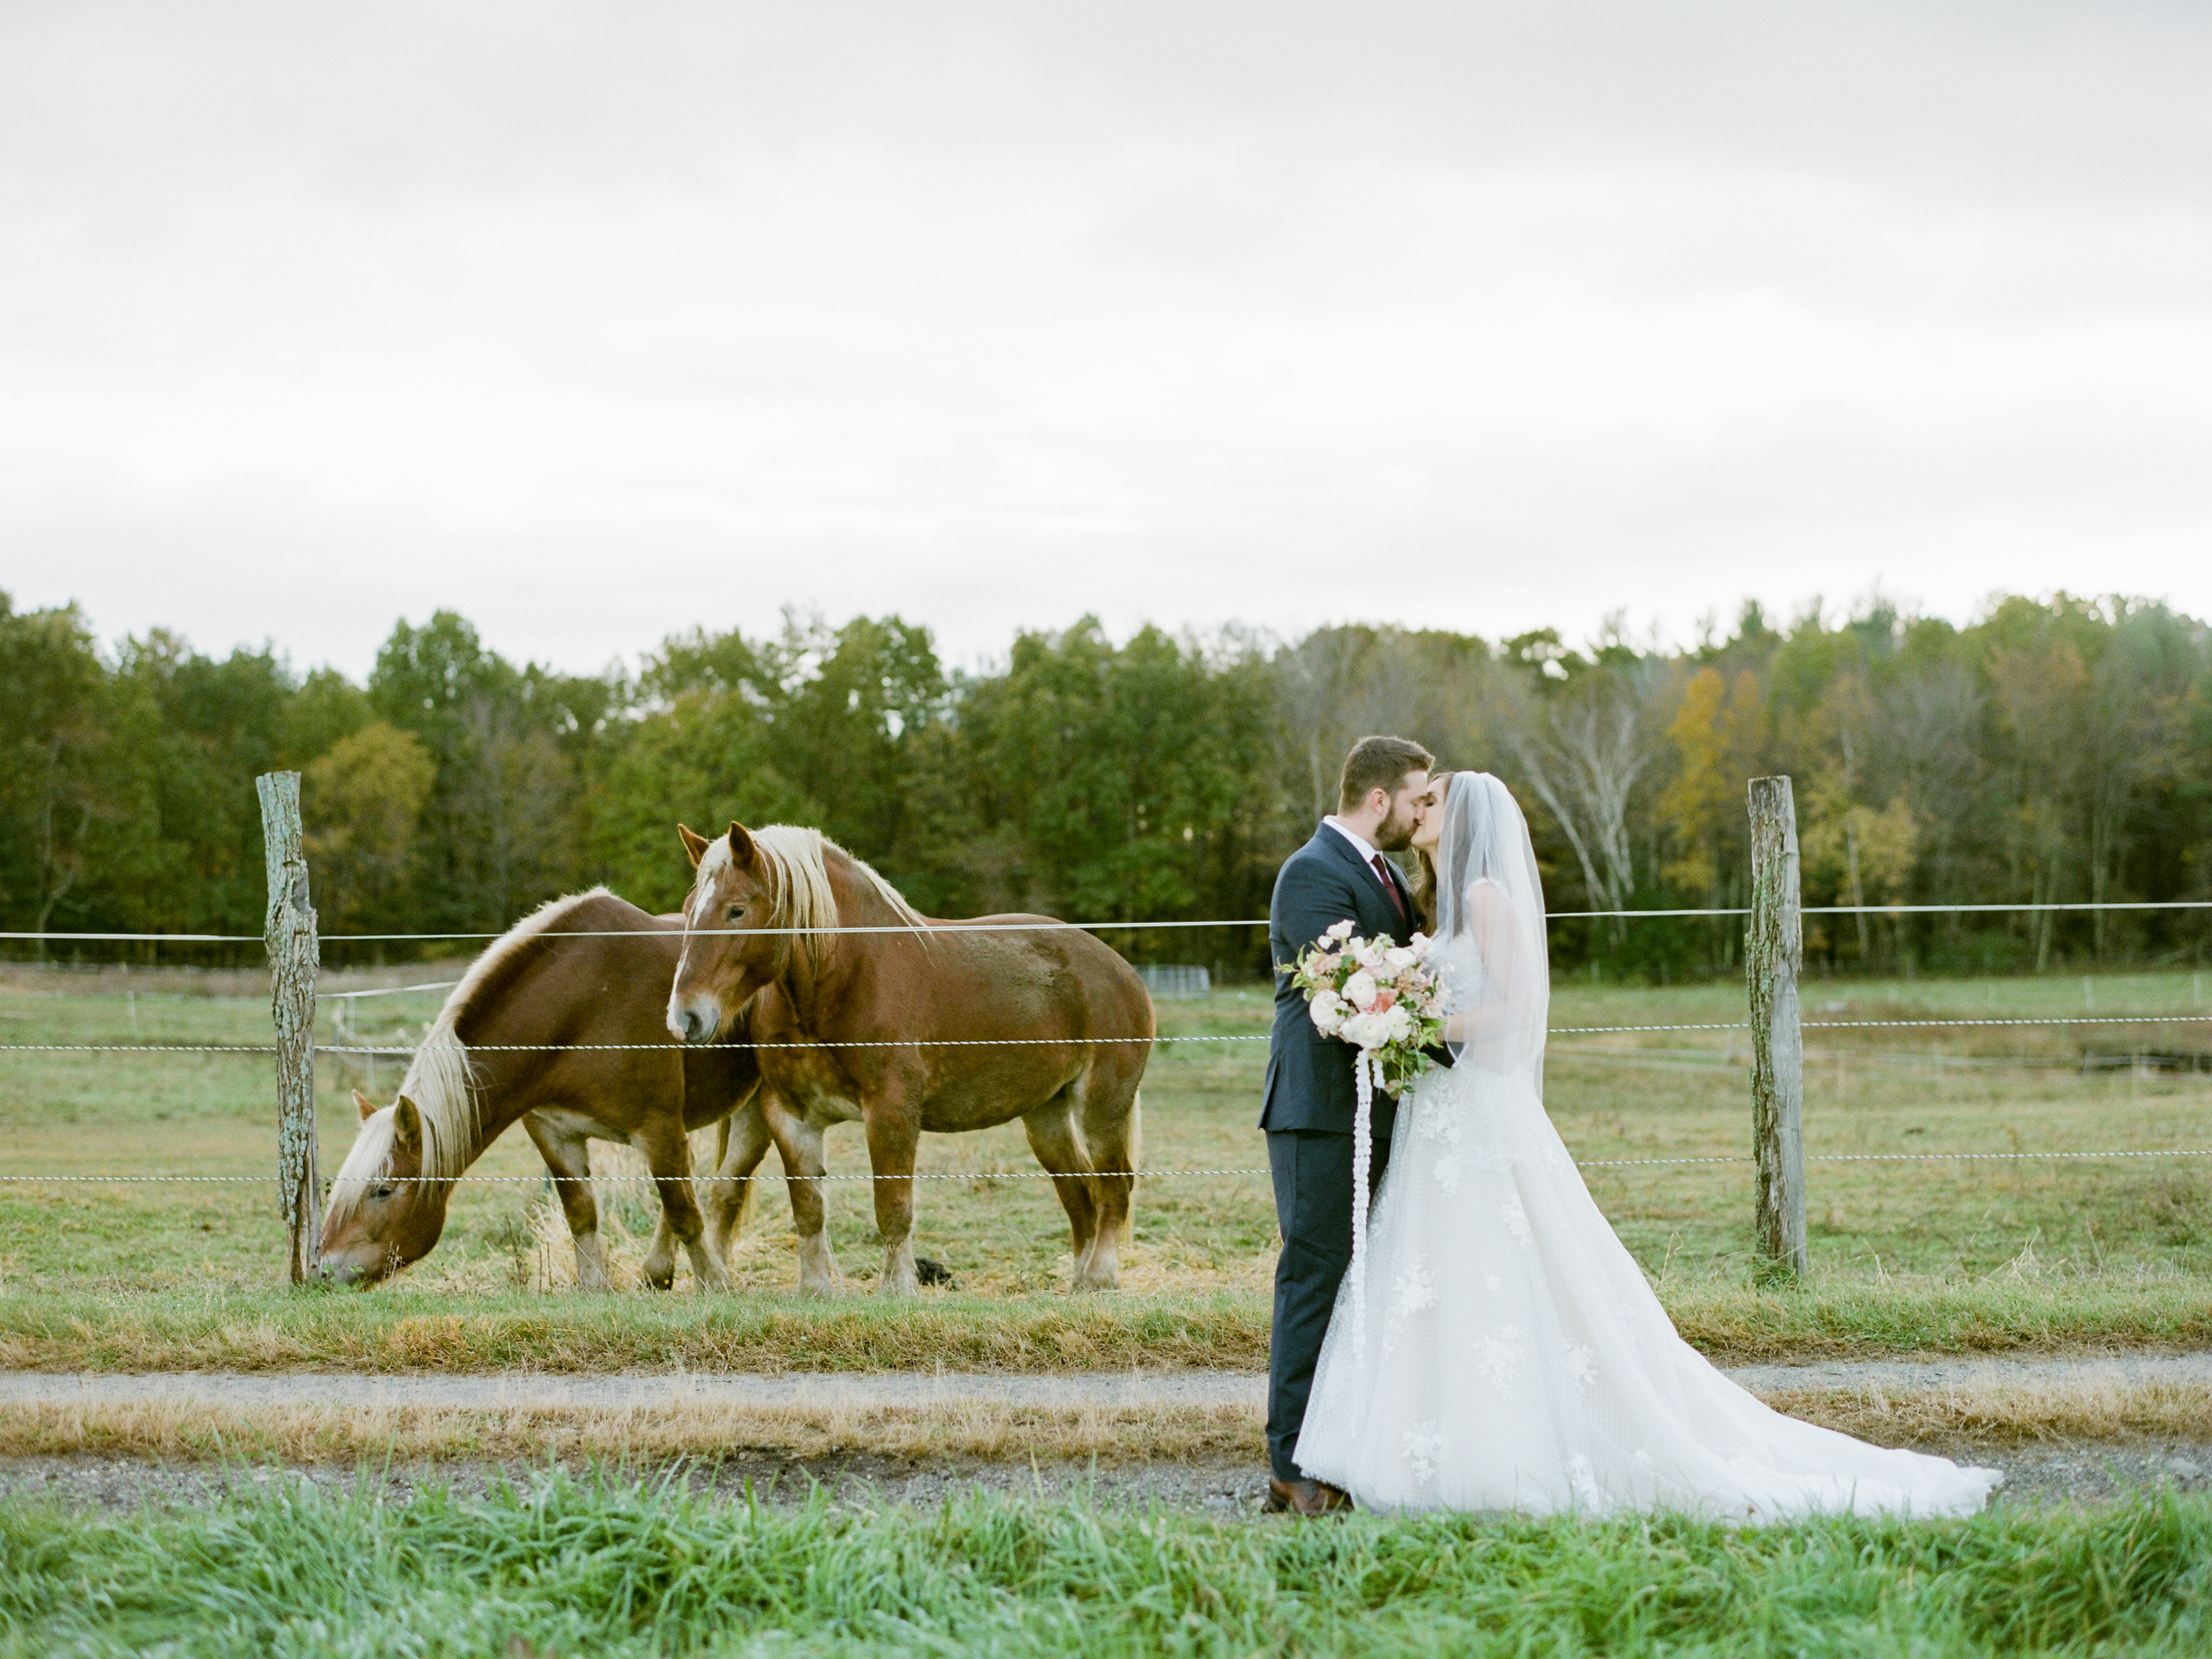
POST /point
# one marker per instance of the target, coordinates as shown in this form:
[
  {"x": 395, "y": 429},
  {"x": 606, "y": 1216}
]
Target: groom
[{"x": 1340, "y": 874}]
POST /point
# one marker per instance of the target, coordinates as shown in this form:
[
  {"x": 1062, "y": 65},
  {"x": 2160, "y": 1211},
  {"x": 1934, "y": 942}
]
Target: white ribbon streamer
[{"x": 1362, "y": 1156}]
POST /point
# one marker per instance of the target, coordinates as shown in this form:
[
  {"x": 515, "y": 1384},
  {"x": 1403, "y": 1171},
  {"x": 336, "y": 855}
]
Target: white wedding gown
[{"x": 1515, "y": 1358}]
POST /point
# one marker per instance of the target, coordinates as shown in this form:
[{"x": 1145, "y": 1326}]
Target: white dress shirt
[{"x": 1367, "y": 851}]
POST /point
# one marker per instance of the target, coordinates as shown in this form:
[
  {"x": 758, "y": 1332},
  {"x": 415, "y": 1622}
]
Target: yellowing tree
[
  {"x": 361, "y": 803},
  {"x": 1720, "y": 736}
]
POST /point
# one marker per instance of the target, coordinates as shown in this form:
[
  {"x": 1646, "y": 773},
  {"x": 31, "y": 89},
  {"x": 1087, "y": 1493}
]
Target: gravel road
[{"x": 2070, "y": 1472}]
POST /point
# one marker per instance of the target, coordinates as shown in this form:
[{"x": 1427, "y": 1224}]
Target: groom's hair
[{"x": 1379, "y": 763}]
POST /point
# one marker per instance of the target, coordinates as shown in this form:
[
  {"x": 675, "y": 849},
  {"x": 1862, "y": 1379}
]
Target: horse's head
[
  {"x": 725, "y": 959},
  {"x": 382, "y": 1214}
]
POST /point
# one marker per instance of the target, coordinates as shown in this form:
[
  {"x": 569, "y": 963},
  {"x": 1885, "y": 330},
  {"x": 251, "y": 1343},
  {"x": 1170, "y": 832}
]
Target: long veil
[{"x": 1490, "y": 932}]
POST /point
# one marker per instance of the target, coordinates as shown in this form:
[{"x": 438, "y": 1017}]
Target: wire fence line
[
  {"x": 548, "y": 1179},
  {"x": 1938, "y": 1022},
  {"x": 1058, "y": 927}
]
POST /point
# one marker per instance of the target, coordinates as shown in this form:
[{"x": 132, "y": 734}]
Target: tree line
[{"x": 2051, "y": 751}]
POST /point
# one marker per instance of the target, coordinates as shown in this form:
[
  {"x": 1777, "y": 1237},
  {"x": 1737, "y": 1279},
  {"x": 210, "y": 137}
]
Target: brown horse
[
  {"x": 887, "y": 1008},
  {"x": 576, "y": 972}
]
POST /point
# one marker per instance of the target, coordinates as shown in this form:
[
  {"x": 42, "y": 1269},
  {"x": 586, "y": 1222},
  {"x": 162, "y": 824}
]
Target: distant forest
[{"x": 2051, "y": 750}]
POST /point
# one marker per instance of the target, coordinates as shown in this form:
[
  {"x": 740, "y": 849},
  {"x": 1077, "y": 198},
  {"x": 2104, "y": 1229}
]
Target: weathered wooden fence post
[
  {"x": 1774, "y": 949},
  {"x": 289, "y": 931}
]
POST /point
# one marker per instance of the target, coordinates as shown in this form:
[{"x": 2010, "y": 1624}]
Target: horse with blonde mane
[
  {"x": 913, "y": 1025},
  {"x": 516, "y": 1041}
]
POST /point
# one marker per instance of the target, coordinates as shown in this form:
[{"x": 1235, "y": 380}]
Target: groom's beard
[{"x": 1396, "y": 833}]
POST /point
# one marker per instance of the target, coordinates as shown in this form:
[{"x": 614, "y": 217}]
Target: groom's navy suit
[{"x": 1308, "y": 1114}]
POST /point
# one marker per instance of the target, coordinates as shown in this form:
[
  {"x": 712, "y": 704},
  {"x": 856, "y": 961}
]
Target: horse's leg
[
  {"x": 799, "y": 1143},
  {"x": 1110, "y": 1111},
  {"x": 894, "y": 1133},
  {"x": 1053, "y": 1138},
  {"x": 667, "y": 1150},
  {"x": 659, "y": 1271},
  {"x": 744, "y": 1140},
  {"x": 568, "y": 1155}
]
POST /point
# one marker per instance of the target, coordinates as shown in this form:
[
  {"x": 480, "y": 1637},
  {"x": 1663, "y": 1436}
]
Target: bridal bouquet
[
  {"x": 1377, "y": 995},
  {"x": 1383, "y": 999}
]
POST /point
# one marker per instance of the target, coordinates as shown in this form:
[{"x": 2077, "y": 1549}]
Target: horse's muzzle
[{"x": 694, "y": 1021}]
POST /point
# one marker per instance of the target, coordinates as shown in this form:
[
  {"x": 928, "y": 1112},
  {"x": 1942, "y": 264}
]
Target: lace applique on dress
[
  {"x": 1491, "y": 1282},
  {"x": 1440, "y": 1120},
  {"x": 1420, "y": 1448},
  {"x": 1582, "y": 1480},
  {"x": 1582, "y": 1364},
  {"x": 1500, "y": 1362},
  {"x": 1412, "y": 1292},
  {"x": 1516, "y": 1219},
  {"x": 1415, "y": 1288},
  {"x": 1446, "y": 1170}
]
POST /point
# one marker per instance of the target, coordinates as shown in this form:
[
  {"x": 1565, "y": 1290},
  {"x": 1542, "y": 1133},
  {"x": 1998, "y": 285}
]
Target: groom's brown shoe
[{"x": 1305, "y": 1498}]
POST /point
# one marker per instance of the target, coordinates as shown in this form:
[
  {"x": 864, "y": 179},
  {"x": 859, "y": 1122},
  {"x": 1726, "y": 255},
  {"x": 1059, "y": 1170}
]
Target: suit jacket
[{"x": 1309, "y": 1076}]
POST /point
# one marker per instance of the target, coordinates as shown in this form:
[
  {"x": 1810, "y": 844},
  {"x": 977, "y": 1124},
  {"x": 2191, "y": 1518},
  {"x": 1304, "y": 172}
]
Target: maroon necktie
[{"x": 1391, "y": 888}]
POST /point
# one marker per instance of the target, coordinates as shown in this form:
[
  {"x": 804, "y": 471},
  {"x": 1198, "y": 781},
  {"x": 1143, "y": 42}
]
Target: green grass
[
  {"x": 1939, "y": 1254},
  {"x": 601, "y": 1567},
  {"x": 405, "y": 1329}
]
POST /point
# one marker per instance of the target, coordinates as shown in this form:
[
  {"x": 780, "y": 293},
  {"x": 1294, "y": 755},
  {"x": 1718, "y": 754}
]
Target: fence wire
[
  {"x": 394, "y": 1050},
  {"x": 1047, "y": 1175},
  {"x": 1101, "y": 928}
]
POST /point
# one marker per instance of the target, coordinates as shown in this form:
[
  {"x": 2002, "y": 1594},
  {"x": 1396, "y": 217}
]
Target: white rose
[
  {"x": 1342, "y": 930},
  {"x": 1360, "y": 990},
  {"x": 1328, "y": 1012},
  {"x": 1399, "y": 958},
  {"x": 1364, "y": 1030},
  {"x": 1400, "y": 1019},
  {"x": 1420, "y": 945}
]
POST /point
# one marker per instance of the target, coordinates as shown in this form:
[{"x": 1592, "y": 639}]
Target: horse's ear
[
  {"x": 363, "y": 1104},
  {"x": 694, "y": 843},
  {"x": 740, "y": 844},
  {"x": 407, "y": 1128}
]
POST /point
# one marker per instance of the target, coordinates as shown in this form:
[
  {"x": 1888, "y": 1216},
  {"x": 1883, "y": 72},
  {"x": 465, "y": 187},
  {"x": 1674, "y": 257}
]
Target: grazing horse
[
  {"x": 879, "y": 1018},
  {"x": 588, "y": 969}
]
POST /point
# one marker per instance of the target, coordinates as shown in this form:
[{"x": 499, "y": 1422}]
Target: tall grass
[{"x": 571, "y": 1567}]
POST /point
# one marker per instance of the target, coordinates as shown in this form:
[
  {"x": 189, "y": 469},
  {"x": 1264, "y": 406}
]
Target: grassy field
[
  {"x": 569, "y": 1567},
  {"x": 1935, "y": 1254}
]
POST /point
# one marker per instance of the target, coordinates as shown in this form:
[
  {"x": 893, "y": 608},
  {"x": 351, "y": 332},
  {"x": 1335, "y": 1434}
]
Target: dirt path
[
  {"x": 2084, "y": 1472},
  {"x": 2046, "y": 1471},
  {"x": 891, "y": 1389}
]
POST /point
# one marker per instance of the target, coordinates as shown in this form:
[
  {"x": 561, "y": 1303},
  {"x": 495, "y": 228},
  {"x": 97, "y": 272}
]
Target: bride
[{"x": 1514, "y": 1357}]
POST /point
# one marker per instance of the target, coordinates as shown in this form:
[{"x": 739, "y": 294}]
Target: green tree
[
  {"x": 507, "y": 820},
  {"x": 362, "y": 805},
  {"x": 53, "y": 746}
]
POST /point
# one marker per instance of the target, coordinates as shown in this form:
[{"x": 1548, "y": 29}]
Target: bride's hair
[{"x": 1424, "y": 867}]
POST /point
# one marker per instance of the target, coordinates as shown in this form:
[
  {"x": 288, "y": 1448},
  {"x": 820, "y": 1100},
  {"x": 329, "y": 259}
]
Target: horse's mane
[
  {"x": 440, "y": 1079},
  {"x": 798, "y": 872}
]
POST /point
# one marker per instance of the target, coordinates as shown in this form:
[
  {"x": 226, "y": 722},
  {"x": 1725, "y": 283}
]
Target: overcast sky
[{"x": 599, "y": 323}]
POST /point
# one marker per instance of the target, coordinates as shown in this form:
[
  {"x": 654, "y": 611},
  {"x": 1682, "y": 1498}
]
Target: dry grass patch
[
  {"x": 2003, "y": 1414},
  {"x": 406, "y": 1330},
  {"x": 965, "y": 1430},
  {"x": 1957, "y": 1419}
]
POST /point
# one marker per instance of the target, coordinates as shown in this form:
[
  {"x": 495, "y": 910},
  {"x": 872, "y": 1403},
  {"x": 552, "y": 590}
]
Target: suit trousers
[{"x": 1312, "y": 1171}]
